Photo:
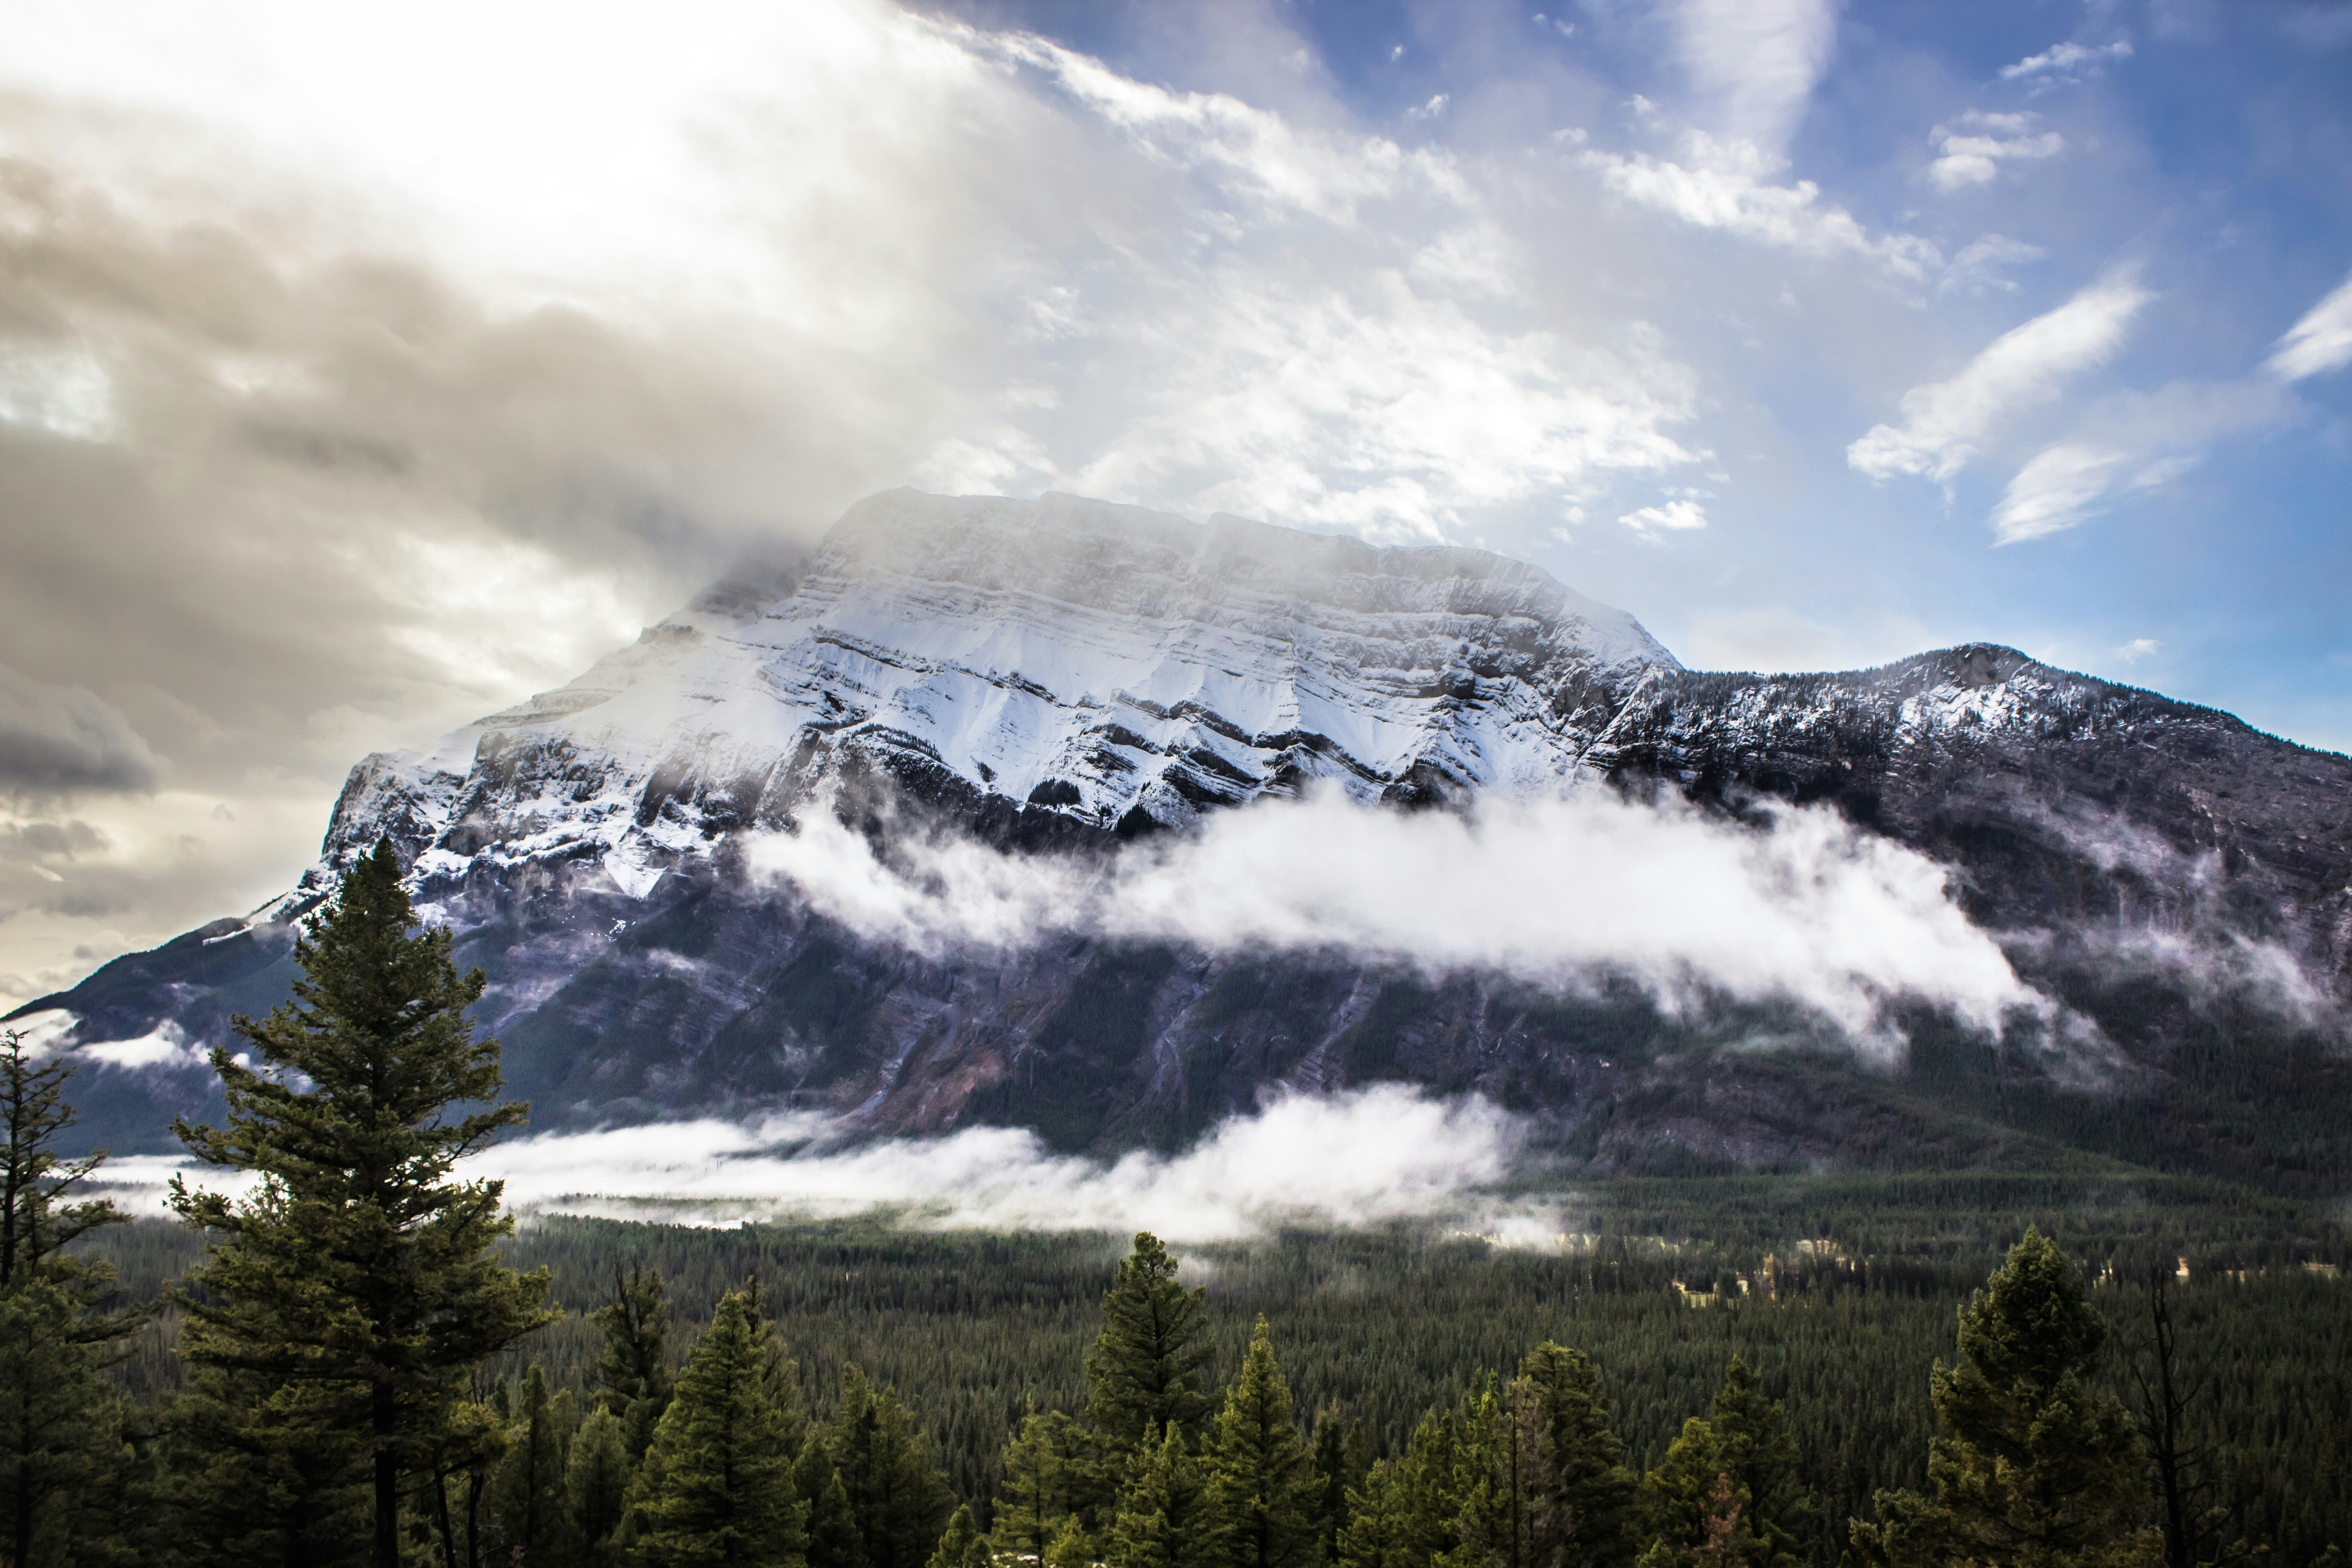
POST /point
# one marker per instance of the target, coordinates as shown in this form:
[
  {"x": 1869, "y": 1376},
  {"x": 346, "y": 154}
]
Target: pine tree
[
  {"x": 1583, "y": 1498},
  {"x": 596, "y": 1479},
  {"x": 717, "y": 1489},
  {"x": 833, "y": 1538},
  {"x": 36, "y": 1224},
  {"x": 1262, "y": 1476},
  {"x": 529, "y": 1497},
  {"x": 59, "y": 1432},
  {"x": 1054, "y": 1471},
  {"x": 961, "y": 1545},
  {"x": 2032, "y": 1467},
  {"x": 896, "y": 1496},
  {"x": 1070, "y": 1549},
  {"x": 1342, "y": 1458},
  {"x": 633, "y": 1373},
  {"x": 1167, "y": 1516},
  {"x": 261, "y": 1470},
  {"x": 359, "y": 1261},
  {"x": 1145, "y": 1369},
  {"x": 1744, "y": 1446},
  {"x": 1409, "y": 1512}
]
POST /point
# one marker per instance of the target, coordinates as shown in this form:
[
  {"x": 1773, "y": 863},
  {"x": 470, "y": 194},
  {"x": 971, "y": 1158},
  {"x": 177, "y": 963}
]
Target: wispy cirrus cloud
[
  {"x": 2131, "y": 441},
  {"x": 1734, "y": 186},
  {"x": 2320, "y": 342},
  {"x": 2025, "y": 367},
  {"x": 1754, "y": 63},
  {"x": 2066, "y": 60}
]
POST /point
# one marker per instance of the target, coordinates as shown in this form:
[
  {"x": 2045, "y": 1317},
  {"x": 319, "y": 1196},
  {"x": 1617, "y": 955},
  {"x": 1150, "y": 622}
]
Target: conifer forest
[{"x": 358, "y": 1357}]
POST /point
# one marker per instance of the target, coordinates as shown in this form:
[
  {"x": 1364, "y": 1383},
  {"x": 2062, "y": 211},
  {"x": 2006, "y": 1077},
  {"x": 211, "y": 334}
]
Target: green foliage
[
  {"x": 530, "y": 1496},
  {"x": 267, "y": 1471},
  {"x": 596, "y": 1481},
  {"x": 717, "y": 1488},
  {"x": 2033, "y": 1465},
  {"x": 1731, "y": 1485},
  {"x": 1167, "y": 1516},
  {"x": 634, "y": 1375},
  {"x": 1054, "y": 1480},
  {"x": 60, "y": 1437},
  {"x": 1261, "y": 1476},
  {"x": 1343, "y": 1458},
  {"x": 1145, "y": 1369},
  {"x": 358, "y": 1261},
  {"x": 960, "y": 1544},
  {"x": 897, "y": 1500},
  {"x": 1408, "y": 1512},
  {"x": 833, "y": 1538}
]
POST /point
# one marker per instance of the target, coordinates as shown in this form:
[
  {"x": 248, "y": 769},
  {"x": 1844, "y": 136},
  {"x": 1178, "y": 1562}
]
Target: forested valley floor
[{"x": 1841, "y": 1293}]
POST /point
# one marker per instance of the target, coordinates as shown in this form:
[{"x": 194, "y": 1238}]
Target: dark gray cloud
[
  {"x": 67, "y": 740},
  {"x": 42, "y": 840}
]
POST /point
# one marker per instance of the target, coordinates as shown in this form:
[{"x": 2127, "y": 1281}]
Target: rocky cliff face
[{"x": 1068, "y": 675}]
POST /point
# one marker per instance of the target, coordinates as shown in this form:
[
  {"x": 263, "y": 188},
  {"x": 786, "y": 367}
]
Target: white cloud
[
  {"x": 2320, "y": 342},
  {"x": 2059, "y": 487},
  {"x": 1727, "y": 185},
  {"x": 2138, "y": 649},
  {"x": 1973, "y": 154},
  {"x": 1674, "y": 516},
  {"x": 2023, "y": 368},
  {"x": 1753, "y": 63},
  {"x": 2130, "y": 441},
  {"x": 1372, "y": 1156},
  {"x": 1811, "y": 910},
  {"x": 1977, "y": 269},
  {"x": 2063, "y": 62}
]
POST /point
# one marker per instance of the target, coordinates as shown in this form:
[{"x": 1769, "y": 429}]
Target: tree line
[{"x": 336, "y": 1407}]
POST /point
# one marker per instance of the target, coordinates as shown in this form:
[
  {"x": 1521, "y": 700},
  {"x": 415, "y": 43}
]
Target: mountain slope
[{"x": 1065, "y": 675}]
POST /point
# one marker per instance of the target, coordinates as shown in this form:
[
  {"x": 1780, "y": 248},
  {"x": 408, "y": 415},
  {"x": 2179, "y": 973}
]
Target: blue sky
[
  {"x": 2199, "y": 150},
  {"x": 363, "y": 370}
]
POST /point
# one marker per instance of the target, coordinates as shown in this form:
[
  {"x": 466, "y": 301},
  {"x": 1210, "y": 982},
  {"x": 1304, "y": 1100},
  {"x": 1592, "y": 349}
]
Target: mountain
[{"x": 1067, "y": 677}]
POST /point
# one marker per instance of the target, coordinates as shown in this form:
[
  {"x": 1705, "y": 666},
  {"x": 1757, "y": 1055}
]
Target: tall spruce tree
[
  {"x": 960, "y": 1544},
  {"x": 1167, "y": 1515},
  {"x": 2033, "y": 1466},
  {"x": 832, "y": 1530},
  {"x": 1342, "y": 1458},
  {"x": 632, "y": 1373},
  {"x": 1053, "y": 1472},
  {"x": 1586, "y": 1497},
  {"x": 1262, "y": 1478},
  {"x": 898, "y": 1501},
  {"x": 60, "y": 1426},
  {"x": 1408, "y": 1513},
  {"x": 529, "y": 1496},
  {"x": 358, "y": 1261},
  {"x": 717, "y": 1488},
  {"x": 1743, "y": 1451},
  {"x": 596, "y": 1480},
  {"x": 1146, "y": 1366}
]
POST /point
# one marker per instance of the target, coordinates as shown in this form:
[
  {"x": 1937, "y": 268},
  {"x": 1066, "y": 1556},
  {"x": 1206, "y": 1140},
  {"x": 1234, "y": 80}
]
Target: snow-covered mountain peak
[{"x": 1060, "y": 659}]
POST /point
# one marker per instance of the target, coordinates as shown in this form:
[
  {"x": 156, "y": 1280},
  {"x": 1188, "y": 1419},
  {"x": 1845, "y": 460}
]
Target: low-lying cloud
[
  {"x": 1807, "y": 910},
  {"x": 1374, "y": 1156}
]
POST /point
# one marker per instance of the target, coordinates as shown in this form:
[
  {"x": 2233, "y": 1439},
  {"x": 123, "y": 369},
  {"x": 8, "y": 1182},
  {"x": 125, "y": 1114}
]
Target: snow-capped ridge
[{"x": 1106, "y": 666}]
